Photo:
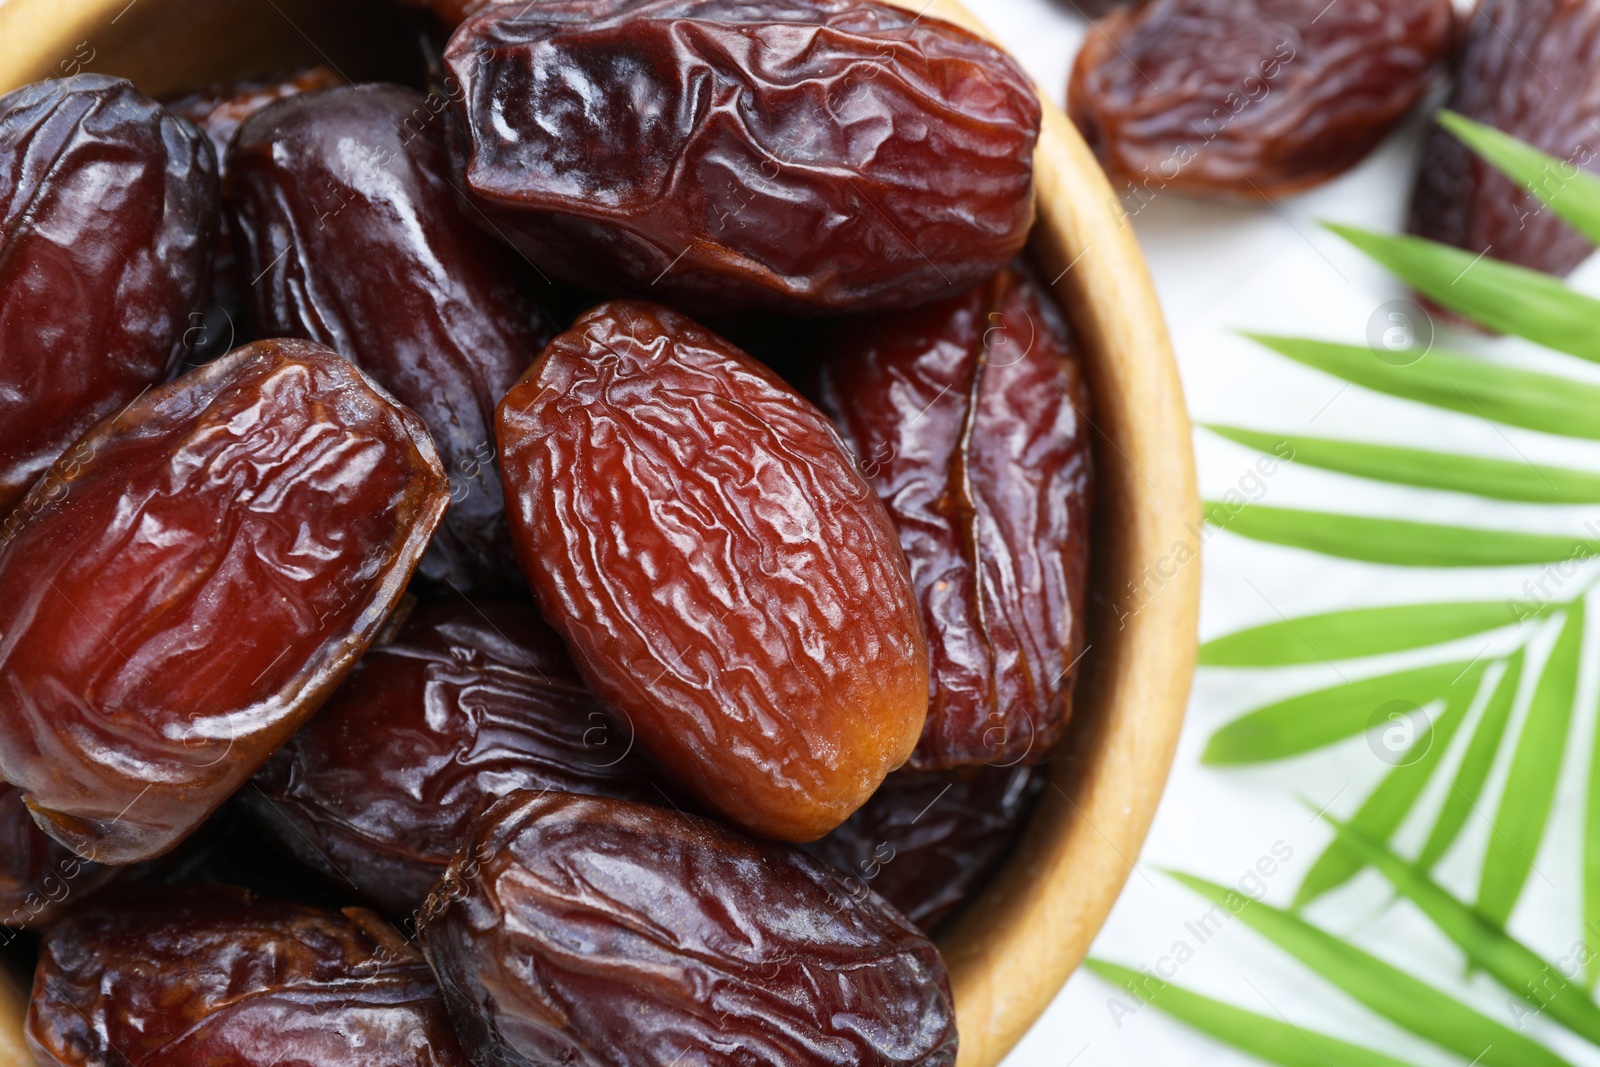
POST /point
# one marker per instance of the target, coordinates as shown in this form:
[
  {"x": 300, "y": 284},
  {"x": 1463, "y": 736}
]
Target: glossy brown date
[
  {"x": 218, "y": 111},
  {"x": 40, "y": 880},
  {"x": 204, "y": 976},
  {"x": 191, "y": 581},
  {"x": 1250, "y": 98},
  {"x": 108, "y": 217},
  {"x": 471, "y": 701},
  {"x": 792, "y": 155},
  {"x": 728, "y": 584},
  {"x": 593, "y": 931},
  {"x": 329, "y": 186},
  {"x": 1528, "y": 68},
  {"x": 966, "y": 418},
  {"x": 927, "y": 841}
]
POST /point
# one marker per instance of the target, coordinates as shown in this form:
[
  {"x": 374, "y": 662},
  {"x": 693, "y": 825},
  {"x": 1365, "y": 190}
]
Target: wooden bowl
[{"x": 1010, "y": 952}]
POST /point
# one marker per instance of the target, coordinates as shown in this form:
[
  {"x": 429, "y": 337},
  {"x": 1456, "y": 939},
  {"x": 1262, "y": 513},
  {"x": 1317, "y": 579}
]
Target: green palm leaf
[
  {"x": 1382, "y": 987},
  {"x": 1386, "y": 808},
  {"x": 1525, "y": 806},
  {"x": 1462, "y": 799},
  {"x": 1516, "y": 397},
  {"x": 1486, "y": 944},
  {"x": 1272, "y": 1040},
  {"x": 1453, "y": 471},
  {"x": 1341, "y": 635},
  {"x": 1396, "y": 541},
  {"x": 1574, "y": 197},
  {"x": 1501, "y": 296},
  {"x": 1311, "y": 720}
]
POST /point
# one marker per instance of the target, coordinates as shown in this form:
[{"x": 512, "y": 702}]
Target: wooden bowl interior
[{"x": 1012, "y": 949}]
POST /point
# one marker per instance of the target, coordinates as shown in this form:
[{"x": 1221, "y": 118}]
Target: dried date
[
  {"x": 200, "y": 976},
  {"x": 927, "y": 841},
  {"x": 40, "y": 880},
  {"x": 966, "y": 418},
  {"x": 471, "y": 701},
  {"x": 184, "y": 598},
  {"x": 792, "y": 155},
  {"x": 108, "y": 217},
  {"x": 593, "y": 931},
  {"x": 727, "y": 583},
  {"x": 1250, "y": 98},
  {"x": 1528, "y": 68},
  {"x": 329, "y": 184},
  {"x": 218, "y": 111}
]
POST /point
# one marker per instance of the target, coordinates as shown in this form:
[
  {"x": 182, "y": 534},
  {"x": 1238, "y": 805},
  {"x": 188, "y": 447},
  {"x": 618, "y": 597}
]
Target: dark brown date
[
  {"x": 325, "y": 187},
  {"x": 1250, "y": 98},
  {"x": 792, "y": 155},
  {"x": 184, "y": 596},
  {"x": 40, "y": 880},
  {"x": 966, "y": 417},
  {"x": 1528, "y": 68},
  {"x": 593, "y": 931},
  {"x": 471, "y": 701},
  {"x": 211, "y": 976},
  {"x": 108, "y": 217},
  {"x": 728, "y": 584},
  {"x": 927, "y": 841},
  {"x": 218, "y": 111}
]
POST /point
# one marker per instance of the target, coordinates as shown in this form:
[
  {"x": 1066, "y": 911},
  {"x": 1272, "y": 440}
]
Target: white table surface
[{"x": 1221, "y": 269}]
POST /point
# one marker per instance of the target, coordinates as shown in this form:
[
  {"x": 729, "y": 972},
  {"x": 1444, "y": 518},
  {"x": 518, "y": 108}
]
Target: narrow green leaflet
[
  {"x": 1404, "y": 1000},
  {"x": 1476, "y": 763},
  {"x": 1501, "y": 296},
  {"x": 1311, "y": 720},
  {"x": 1341, "y": 635},
  {"x": 1383, "y": 812},
  {"x": 1591, "y": 866},
  {"x": 1396, "y": 541},
  {"x": 1456, "y": 472},
  {"x": 1266, "y": 1038},
  {"x": 1530, "y": 787},
  {"x": 1572, "y": 192},
  {"x": 1516, "y": 397},
  {"x": 1509, "y": 961}
]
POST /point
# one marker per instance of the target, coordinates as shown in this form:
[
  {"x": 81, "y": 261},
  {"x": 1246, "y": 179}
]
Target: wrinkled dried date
[
  {"x": 218, "y": 112},
  {"x": 224, "y": 551},
  {"x": 1250, "y": 98},
  {"x": 927, "y": 841},
  {"x": 326, "y": 186},
  {"x": 201, "y": 976},
  {"x": 471, "y": 701},
  {"x": 728, "y": 584},
  {"x": 965, "y": 417},
  {"x": 1528, "y": 68},
  {"x": 40, "y": 880},
  {"x": 595, "y": 931},
  {"x": 108, "y": 217},
  {"x": 680, "y": 146}
]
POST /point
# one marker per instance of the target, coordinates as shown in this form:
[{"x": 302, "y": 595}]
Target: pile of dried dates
[{"x": 580, "y": 560}]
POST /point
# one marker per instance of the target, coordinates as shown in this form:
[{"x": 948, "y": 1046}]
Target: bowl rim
[{"x": 1012, "y": 949}]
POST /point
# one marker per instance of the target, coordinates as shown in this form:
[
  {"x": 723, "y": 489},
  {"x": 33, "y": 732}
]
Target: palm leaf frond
[{"x": 1312, "y": 720}]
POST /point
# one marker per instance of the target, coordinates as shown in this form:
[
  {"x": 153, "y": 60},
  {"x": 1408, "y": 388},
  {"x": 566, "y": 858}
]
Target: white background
[{"x": 1221, "y": 269}]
